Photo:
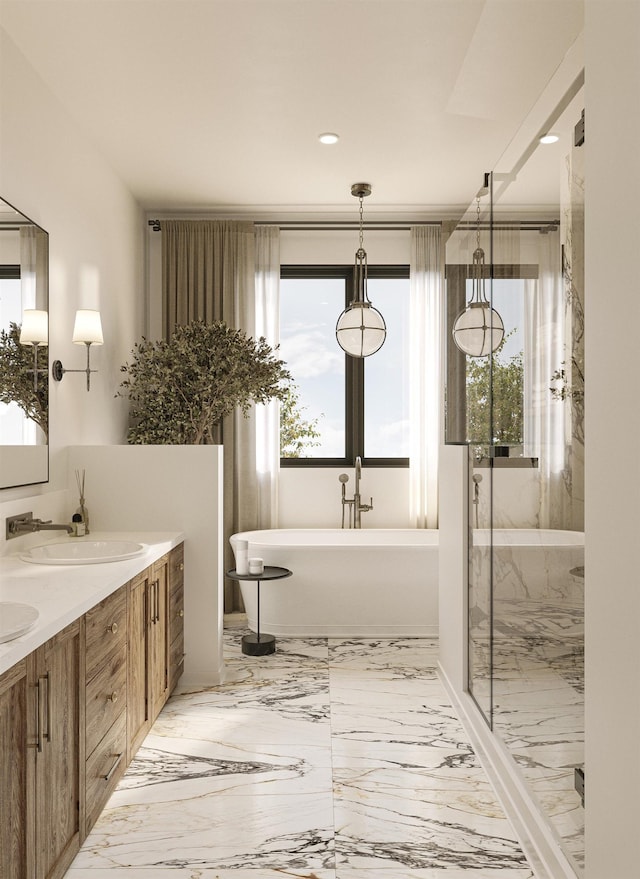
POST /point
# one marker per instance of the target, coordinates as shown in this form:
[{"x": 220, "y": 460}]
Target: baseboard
[
  {"x": 345, "y": 631},
  {"x": 539, "y": 843}
]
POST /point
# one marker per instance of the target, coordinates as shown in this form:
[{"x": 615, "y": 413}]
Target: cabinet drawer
[
  {"x": 104, "y": 769},
  {"x": 106, "y": 699},
  {"x": 106, "y": 630}
]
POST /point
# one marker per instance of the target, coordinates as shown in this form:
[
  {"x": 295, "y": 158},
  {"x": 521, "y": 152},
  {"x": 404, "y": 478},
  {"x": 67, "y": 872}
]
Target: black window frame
[{"x": 354, "y": 369}]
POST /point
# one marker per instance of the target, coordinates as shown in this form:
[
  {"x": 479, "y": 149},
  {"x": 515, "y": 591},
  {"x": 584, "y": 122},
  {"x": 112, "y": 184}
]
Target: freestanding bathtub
[{"x": 346, "y": 583}]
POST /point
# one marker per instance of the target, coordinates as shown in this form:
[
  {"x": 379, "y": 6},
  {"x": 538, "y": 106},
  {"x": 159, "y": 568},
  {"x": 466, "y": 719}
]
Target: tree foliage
[
  {"x": 296, "y": 433},
  {"x": 179, "y": 390},
  {"x": 16, "y": 377},
  {"x": 506, "y": 378}
]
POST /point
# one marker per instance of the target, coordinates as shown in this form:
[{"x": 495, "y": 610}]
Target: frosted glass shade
[
  {"x": 361, "y": 330},
  {"x": 87, "y": 328},
  {"x": 478, "y": 330},
  {"x": 35, "y": 327}
]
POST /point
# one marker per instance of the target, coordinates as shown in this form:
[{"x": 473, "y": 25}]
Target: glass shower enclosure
[{"x": 519, "y": 408}]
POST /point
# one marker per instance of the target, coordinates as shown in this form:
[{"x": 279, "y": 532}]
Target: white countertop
[{"x": 62, "y": 593}]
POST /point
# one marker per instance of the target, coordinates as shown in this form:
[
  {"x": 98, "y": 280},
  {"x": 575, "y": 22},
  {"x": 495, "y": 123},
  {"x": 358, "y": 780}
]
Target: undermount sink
[
  {"x": 82, "y": 552},
  {"x": 15, "y": 619}
]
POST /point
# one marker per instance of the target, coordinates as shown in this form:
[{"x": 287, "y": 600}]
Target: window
[{"x": 341, "y": 407}]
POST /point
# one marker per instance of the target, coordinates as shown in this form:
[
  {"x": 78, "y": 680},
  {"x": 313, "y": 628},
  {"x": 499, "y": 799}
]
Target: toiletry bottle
[
  {"x": 242, "y": 557},
  {"x": 78, "y": 525}
]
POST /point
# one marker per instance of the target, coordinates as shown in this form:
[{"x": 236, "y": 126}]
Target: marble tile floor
[
  {"x": 538, "y": 704},
  {"x": 330, "y": 759}
]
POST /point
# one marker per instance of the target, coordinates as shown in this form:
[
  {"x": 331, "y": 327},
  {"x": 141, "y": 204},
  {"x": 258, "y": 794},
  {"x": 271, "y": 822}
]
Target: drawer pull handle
[
  {"x": 113, "y": 628},
  {"x": 113, "y": 697},
  {"x": 118, "y": 757},
  {"x": 180, "y": 613},
  {"x": 181, "y": 566}
]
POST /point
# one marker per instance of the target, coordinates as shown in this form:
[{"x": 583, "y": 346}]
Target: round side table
[{"x": 258, "y": 643}]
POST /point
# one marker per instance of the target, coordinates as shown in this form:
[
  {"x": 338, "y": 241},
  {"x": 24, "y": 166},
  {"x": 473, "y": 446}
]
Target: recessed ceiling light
[
  {"x": 549, "y": 138},
  {"x": 328, "y": 137}
]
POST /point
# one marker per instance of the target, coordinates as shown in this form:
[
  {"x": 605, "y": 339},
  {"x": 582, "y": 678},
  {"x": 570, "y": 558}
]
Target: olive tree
[
  {"x": 179, "y": 390},
  {"x": 17, "y": 363}
]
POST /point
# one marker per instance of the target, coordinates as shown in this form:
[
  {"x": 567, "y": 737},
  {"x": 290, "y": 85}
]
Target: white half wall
[
  {"x": 452, "y": 555},
  {"x": 167, "y": 488},
  {"x": 310, "y": 497}
]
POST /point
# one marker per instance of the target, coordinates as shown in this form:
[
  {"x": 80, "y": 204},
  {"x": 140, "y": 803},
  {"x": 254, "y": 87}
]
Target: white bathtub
[
  {"x": 531, "y": 564},
  {"x": 346, "y": 583}
]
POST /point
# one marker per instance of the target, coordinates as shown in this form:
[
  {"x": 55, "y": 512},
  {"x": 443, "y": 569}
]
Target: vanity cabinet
[
  {"x": 56, "y": 751},
  {"x": 105, "y": 693},
  {"x": 13, "y": 772},
  {"x": 74, "y": 712}
]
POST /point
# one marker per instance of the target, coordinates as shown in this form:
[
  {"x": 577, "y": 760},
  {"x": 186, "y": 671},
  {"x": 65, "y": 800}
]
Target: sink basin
[
  {"x": 82, "y": 552},
  {"x": 15, "y": 619}
]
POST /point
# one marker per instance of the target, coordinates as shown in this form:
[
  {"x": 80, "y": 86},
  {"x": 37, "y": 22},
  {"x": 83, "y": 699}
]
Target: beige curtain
[{"x": 208, "y": 273}]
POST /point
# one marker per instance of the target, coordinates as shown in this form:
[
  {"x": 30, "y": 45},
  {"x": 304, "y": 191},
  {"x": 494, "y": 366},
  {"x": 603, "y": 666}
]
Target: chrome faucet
[
  {"x": 355, "y": 502},
  {"x": 26, "y": 524}
]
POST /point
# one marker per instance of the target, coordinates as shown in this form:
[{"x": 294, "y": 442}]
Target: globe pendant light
[
  {"x": 478, "y": 330},
  {"x": 361, "y": 329}
]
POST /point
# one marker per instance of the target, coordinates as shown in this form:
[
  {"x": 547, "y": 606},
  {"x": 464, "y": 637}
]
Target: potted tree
[{"x": 180, "y": 390}]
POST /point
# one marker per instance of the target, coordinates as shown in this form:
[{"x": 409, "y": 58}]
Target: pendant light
[
  {"x": 361, "y": 329},
  {"x": 478, "y": 330}
]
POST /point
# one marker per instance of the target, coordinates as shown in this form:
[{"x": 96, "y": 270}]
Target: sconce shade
[
  {"x": 361, "y": 330},
  {"x": 478, "y": 329},
  {"x": 87, "y": 329},
  {"x": 35, "y": 327}
]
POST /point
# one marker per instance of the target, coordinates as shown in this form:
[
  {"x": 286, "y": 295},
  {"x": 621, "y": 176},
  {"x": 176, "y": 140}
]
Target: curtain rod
[
  {"x": 391, "y": 226},
  {"x": 332, "y": 225}
]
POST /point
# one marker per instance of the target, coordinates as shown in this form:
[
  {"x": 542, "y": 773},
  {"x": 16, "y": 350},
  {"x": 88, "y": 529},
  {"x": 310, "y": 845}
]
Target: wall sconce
[
  {"x": 34, "y": 331},
  {"x": 87, "y": 331}
]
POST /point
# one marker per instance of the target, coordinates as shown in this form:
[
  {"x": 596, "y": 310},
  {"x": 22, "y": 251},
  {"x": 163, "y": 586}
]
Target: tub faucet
[{"x": 354, "y": 503}]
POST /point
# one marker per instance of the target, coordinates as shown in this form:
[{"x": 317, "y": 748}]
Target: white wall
[
  {"x": 612, "y": 307},
  {"x": 52, "y": 172},
  {"x": 310, "y": 497}
]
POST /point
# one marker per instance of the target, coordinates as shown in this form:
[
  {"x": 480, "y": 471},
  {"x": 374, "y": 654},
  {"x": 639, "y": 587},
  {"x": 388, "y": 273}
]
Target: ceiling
[{"x": 217, "y": 104}]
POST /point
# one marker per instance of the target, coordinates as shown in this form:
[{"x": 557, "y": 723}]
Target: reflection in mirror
[{"x": 24, "y": 382}]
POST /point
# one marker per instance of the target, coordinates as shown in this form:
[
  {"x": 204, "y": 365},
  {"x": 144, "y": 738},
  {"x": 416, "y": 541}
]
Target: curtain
[
  {"x": 28, "y": 266},
  {"x": 426, "y": 291},
  {"x": 208, "y": 273},
  {"x": 267, "y": 310},
  {"x": 545, "y": 426}
]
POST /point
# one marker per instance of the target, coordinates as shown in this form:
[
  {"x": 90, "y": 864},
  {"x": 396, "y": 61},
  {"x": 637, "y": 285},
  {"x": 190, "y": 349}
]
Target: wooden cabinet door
[
  {"x": 138, "y": 678},
  {"x": 159, "y": 647},
  {"x": 176, "y": 615},
  {"x": 58, "y": 751},
  {"x": 13, "y": 772}
]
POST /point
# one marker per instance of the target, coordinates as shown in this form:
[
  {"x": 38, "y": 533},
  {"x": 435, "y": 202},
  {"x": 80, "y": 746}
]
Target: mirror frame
[{"x": 15, "y": 472}]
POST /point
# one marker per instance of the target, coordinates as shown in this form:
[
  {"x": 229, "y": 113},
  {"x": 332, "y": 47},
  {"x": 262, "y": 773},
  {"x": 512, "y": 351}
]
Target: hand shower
[{"x": 344, "y": 478}]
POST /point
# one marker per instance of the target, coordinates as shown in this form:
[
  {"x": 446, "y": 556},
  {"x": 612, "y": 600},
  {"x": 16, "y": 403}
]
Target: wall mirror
[{"x": 24, "y": 353}]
